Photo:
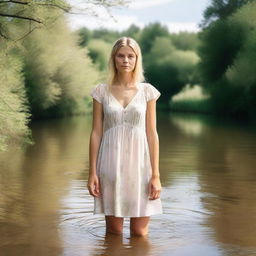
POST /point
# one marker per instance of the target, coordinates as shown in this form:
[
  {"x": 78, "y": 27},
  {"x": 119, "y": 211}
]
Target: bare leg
[
  {"x": 139, "y": 226},
  {"x": 114, "y": 225}
]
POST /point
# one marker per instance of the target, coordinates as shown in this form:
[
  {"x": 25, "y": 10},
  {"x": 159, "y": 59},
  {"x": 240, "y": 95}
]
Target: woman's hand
[
  {"x": 94, "y": 185},
  {"x": 154, "y": 188}
]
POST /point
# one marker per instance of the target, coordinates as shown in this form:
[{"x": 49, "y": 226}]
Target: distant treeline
[
  {"x": 220, "y": 58},
  {"x": 170, "y": 60}
]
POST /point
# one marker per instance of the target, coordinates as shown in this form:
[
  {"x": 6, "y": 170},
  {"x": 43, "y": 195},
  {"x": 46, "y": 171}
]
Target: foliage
[
  {"x": 221, "y": 44},
  {"x": 106, "y": 35},
  {"x": 58, "y": 73},
  {"x": 44, "y": 73},
  {"x": 169, "y": 59},
  {"x": 221, "y": 9},
  {"x": 14, "y": 110},
  {"x": 32, "y": 13},
  {"x": 99, "y": 52},
  {"x": 168, "y": 68},
  {"x": 149, "y": 33},
  {"x": 84, "y": 35},
  {"x": 185, "y": 41},
  {"x": 228, "y": 63}
]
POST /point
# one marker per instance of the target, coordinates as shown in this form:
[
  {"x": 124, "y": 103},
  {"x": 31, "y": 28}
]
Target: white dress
[{"x": 123, "y": 162}]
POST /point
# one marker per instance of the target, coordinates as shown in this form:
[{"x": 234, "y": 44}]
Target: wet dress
[{"x": 123, "y": 162}]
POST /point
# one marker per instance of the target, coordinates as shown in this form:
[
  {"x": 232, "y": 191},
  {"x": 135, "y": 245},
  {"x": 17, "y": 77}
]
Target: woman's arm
[
  {"x": 153, "y": 142},
  {"x": 95, "y": 140}
]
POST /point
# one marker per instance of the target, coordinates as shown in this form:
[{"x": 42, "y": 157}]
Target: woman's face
[{"x": 125, "y": 59}]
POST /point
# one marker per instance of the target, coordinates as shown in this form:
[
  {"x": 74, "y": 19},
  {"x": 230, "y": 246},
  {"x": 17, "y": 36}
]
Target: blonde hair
[{"x": 138, "y": 71}]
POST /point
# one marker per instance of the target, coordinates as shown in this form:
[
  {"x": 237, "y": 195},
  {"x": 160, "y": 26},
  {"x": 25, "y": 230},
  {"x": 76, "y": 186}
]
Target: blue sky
[{"x": 177, "y": 15}]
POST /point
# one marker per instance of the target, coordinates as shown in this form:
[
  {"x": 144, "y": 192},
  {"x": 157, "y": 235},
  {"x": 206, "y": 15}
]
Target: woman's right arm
[{"x": 95, "y": 140}]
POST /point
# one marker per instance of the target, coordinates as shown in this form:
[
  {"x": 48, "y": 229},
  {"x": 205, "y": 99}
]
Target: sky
[{"x": 177, "y": 15}]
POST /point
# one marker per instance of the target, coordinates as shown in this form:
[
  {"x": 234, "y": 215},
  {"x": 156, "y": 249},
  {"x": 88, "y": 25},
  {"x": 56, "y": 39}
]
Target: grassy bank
[{"x": 191, "y": 99}]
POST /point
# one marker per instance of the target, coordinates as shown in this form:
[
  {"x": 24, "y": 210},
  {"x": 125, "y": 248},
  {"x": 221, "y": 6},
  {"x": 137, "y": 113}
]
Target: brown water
[{"x": 209, "y": 190}]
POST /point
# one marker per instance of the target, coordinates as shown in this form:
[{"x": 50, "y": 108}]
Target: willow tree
[
  {"x": 14, "y": 112},
  {"x": 61, "y": 87},
  {"x": 32, "y": 13},
  {"x": 58, "y": 73}
]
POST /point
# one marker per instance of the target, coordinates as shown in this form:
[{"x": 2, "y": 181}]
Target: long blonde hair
[{"x": 138, "y": 72}]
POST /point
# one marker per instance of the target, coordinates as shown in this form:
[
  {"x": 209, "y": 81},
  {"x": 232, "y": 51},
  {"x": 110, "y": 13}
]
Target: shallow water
[{"x": 208, "y": 176}]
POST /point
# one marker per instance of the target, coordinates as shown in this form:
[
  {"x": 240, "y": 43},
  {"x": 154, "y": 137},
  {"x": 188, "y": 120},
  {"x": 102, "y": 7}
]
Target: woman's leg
[
  {"x": 139, "y": 226},
  {"x": 114, "y": 225}
]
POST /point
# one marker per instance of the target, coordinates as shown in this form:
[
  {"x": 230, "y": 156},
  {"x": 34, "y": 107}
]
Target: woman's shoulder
[
  {"x": 100, "y": 84},
  {"x": 147, "y": 85},
  {"x": 151, "y": 91},
  {"x": 98, "y": 92}
]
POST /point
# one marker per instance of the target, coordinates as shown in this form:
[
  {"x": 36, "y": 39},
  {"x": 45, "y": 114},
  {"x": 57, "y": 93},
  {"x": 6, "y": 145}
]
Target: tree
[
  {"x": 14, "y": 109},
  {"x": 221, "y": 9},
  {"x": 57, "y": 72},
  {"x": 30, "y": 12},
  {"x": 133, "y": 31},
  {"x": 149, "y": 33},
  {"x": 228, "y": 63},
  {"x": 168, "y": 68},
  {"x": 185, "y": 41}
]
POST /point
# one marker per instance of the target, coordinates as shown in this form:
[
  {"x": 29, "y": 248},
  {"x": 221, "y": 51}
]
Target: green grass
[{"x": 191, "y": 99}]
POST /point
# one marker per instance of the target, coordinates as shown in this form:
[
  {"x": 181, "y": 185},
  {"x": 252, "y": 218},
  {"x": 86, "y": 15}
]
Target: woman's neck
[{"x": 124, "y": 80}]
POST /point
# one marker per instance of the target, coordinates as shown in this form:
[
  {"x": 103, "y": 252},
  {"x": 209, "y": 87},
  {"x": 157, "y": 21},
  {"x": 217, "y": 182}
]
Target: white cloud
[
  {"x": 120, "y": 22},
  {"x": 142, "y": 4},
  {"x": 176, "y": 27}
]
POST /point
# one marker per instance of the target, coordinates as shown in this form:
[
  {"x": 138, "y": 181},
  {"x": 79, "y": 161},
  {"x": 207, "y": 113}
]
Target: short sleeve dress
[{"x": 123, "y": 162}]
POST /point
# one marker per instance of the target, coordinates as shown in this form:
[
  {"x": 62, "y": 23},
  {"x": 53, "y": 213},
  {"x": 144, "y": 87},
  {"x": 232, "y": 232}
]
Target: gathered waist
[{"x": 125, "y": 126}]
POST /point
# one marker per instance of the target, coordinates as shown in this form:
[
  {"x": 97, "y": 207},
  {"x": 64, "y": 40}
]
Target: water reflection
[
  {"x": 115, "y": 245},
  {"x": 209, "y": 189}
]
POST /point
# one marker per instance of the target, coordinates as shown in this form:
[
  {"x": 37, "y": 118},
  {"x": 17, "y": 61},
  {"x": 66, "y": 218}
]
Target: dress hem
[{"x": 127, "y": 216}]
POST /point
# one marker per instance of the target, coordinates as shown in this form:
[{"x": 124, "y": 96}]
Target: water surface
[{"x": 208, "y": 176}]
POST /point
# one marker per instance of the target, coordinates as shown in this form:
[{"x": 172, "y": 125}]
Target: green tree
[
  {"x": 133, "y": 31},
  {"x": 185, "y": 41},
  {"x": 221, "y": 9},
  {"x": 228, "y": 62},
  {"x": 58, "y": 73},
  {"x": 14, "y": 109},
  {"x": 168, "y": 68},
  {"x": 106, "y": 35},
  {"x": 221, "y": 44},
  {"x": 149, "y": 33},
  {"x": 99, "y": 51},
  {"x": 32, "y": 13},
  {"x": 84, "y": 35}
]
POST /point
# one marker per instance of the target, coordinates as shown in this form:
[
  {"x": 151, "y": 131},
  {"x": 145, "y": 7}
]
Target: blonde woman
[{"x": 124, "y": 174}]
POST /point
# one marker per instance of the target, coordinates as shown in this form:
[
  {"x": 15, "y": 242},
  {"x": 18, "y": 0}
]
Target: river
[{"x": 208, "y": 174}]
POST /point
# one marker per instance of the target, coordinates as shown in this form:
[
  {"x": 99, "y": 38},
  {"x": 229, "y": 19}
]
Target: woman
[{"x": 124, "y": 146}]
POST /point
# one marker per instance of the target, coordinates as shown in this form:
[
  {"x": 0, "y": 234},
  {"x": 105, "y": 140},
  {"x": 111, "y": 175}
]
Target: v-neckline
[{"x": 124, "y": 108}]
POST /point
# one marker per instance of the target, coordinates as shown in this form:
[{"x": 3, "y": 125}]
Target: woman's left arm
[{"x": 153, "y": 142}]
